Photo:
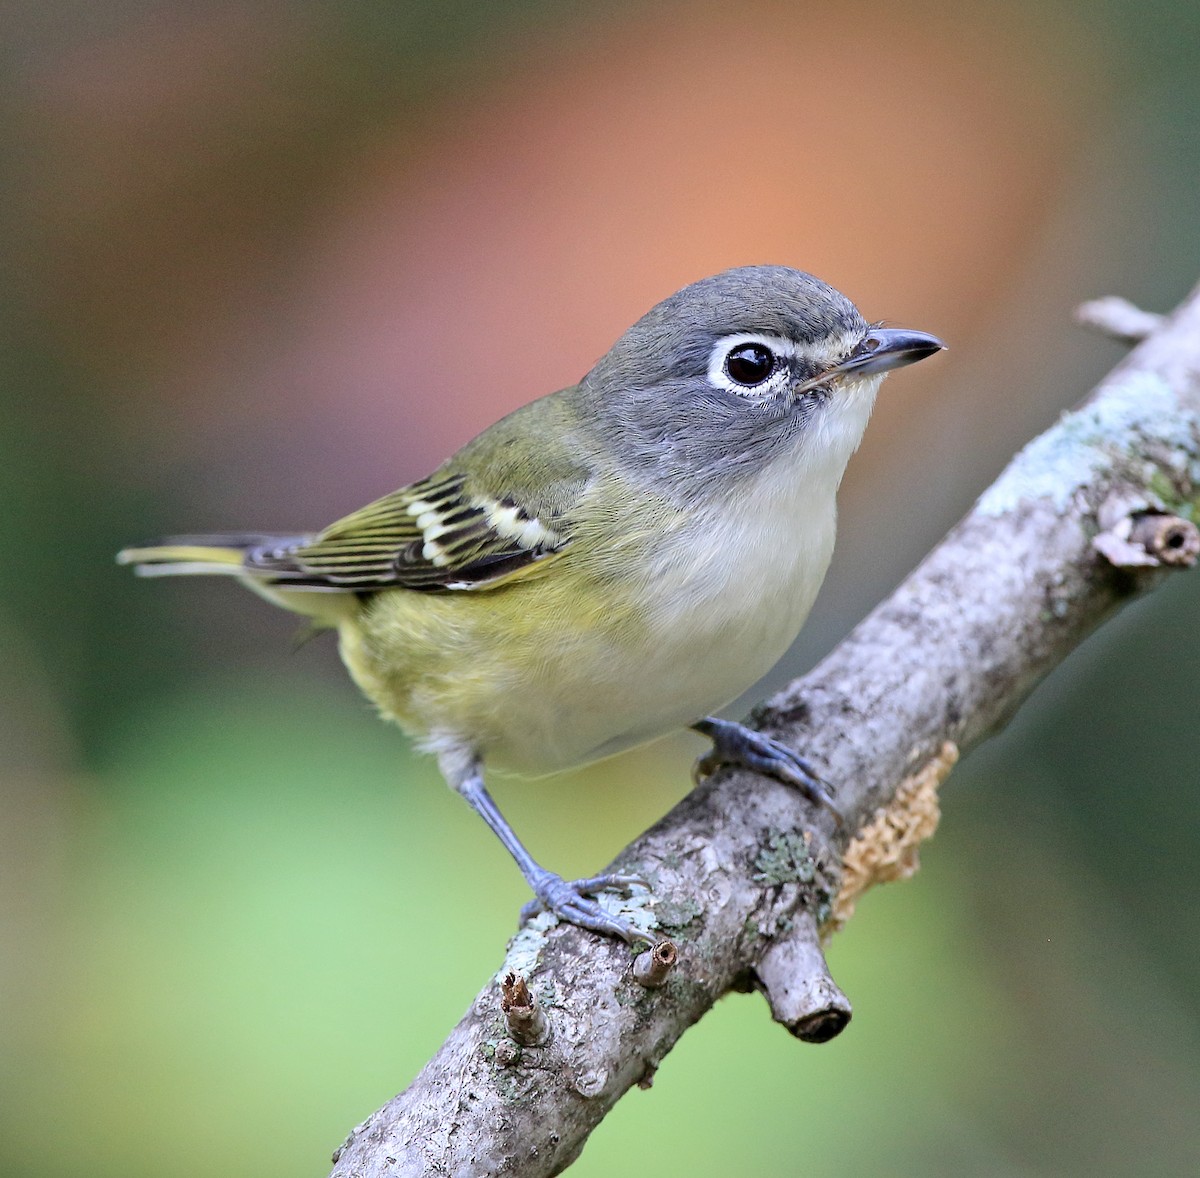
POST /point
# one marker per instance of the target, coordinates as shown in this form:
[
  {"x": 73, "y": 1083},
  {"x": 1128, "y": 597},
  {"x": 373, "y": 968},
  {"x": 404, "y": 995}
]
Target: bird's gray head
[{"x": 744, "y": 368}]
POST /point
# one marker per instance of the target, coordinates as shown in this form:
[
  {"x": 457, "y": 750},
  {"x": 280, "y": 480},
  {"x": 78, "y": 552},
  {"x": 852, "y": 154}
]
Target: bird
[{"x": 606, "y": 564}]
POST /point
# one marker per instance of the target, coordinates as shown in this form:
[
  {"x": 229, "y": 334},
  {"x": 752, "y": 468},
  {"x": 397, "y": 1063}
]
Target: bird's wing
[{"x": 434, "y": 535}]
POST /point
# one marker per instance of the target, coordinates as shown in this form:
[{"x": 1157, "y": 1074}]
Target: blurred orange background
[{"x": 268, "y": 261}]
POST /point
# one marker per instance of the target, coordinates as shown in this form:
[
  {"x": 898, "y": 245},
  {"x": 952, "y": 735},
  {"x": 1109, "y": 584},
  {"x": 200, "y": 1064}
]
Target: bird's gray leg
[
  {"x": 568, "y": 900},
  {"x": 735, "y": 744}
]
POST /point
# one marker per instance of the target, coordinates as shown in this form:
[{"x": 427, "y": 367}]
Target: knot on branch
[{"x": 886, "y": 847}]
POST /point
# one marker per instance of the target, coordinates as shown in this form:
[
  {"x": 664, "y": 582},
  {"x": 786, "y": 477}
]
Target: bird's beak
[
  {"x": 884, "y": 348},
  {"x": 881, "y": 350}
]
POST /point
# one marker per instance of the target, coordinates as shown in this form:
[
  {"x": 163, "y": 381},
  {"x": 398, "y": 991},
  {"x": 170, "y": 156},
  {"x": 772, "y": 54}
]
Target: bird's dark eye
[{"x": 750, "y": 364}]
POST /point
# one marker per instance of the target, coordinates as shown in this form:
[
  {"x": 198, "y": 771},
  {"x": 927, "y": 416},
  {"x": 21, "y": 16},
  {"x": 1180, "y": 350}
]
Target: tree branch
[{"x": 743, "y": 872}]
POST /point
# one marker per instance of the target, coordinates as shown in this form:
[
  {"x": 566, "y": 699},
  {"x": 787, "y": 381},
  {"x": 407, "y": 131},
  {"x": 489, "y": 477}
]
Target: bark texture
[{"x": 743, "y": 872}]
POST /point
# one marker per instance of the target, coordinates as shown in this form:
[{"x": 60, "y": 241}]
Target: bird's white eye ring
[{"x": 750, "y": 363}]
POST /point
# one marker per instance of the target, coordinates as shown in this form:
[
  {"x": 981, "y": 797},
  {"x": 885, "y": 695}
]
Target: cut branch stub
[
  {"x": 800, "y": 990},
  {"x": 1119, "y": 319},
  {"x": 1170, "y": 539},
  {"x": 526, "y": 1022},
  {"x": 651, "y": 968},
  {"x": 1150, "y": 539}
]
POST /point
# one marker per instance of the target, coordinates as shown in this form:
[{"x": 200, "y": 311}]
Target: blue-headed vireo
[{"x": 613, "y": 561}]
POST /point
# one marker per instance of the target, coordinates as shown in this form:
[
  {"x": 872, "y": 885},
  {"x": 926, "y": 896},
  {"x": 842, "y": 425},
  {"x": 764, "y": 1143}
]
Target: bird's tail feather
[{"x": 188, "y": 555}]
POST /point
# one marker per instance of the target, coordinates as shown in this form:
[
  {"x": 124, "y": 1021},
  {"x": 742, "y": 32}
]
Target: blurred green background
[{"x": 265, "y": 261}]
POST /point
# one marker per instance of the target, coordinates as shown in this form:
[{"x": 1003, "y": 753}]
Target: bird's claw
[
  {"x": 570, "y": 901},
  {"x": 736, "y": 745}
]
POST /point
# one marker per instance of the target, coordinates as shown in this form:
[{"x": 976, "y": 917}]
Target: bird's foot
[
  {"x": 736, "y": 745},
  {"x": 570, "y": 901}
]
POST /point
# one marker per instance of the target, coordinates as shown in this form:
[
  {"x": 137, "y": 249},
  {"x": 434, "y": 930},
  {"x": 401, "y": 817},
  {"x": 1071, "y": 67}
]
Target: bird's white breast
[
  {"x": 730, "y": 596},
  {"x": 722, "y": 601},
  {"x": 732, "y": 593},
  {"x": 722, "y": 597}
]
